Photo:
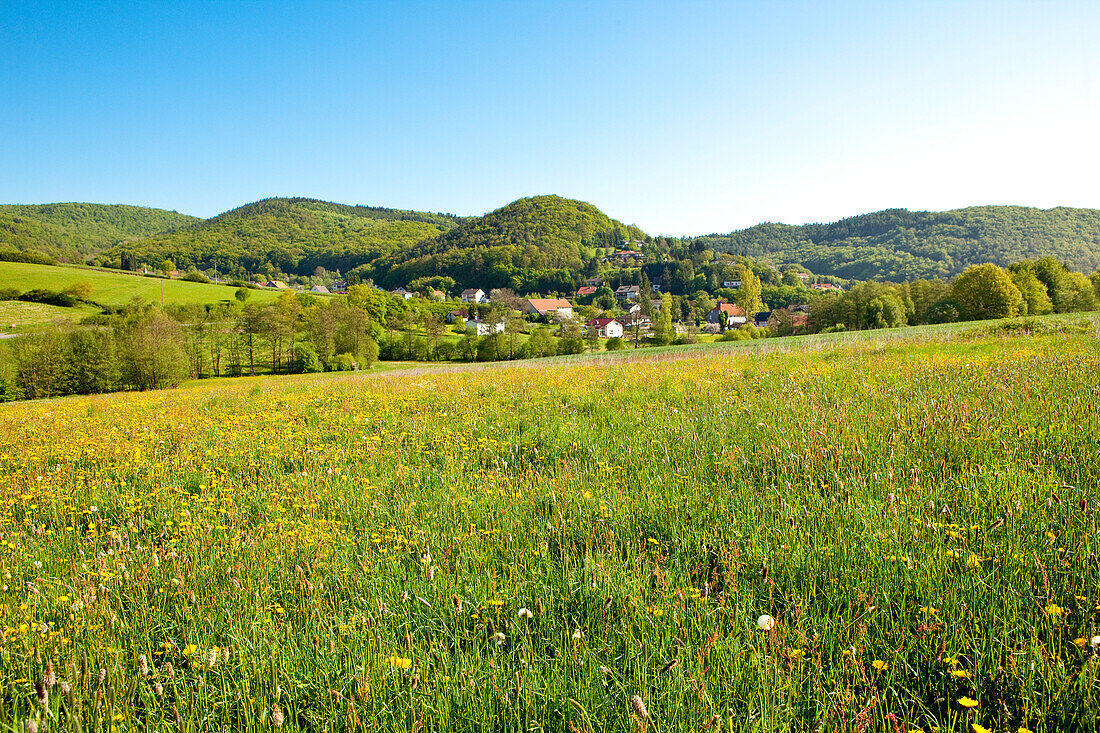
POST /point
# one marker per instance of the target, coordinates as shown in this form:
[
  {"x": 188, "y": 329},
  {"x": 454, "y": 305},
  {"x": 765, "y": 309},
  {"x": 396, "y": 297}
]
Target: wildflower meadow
[{"x": 875, "y": 536}]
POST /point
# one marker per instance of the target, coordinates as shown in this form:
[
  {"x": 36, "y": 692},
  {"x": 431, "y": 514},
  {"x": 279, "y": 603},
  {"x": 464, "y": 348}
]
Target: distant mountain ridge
[
  {"x": 75, "y": 230},
  {"x": 539, "y": 243},
  {"x": 897, "y": 244}
]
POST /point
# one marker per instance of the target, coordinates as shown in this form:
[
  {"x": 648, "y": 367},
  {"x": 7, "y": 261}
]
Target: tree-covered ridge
[
  {"x": 287, "y": 235},
  {"x": 75, "y": 230},
  {"x": 897, "y": 244},
  {"x": 538, "y": 243}
]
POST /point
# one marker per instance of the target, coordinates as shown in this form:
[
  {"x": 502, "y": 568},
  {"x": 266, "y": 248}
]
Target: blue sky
[{"x": 684, "y": 118}]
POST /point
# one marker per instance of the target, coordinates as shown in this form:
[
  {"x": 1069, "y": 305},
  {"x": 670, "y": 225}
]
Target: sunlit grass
[{"x": 529, "y": 548}]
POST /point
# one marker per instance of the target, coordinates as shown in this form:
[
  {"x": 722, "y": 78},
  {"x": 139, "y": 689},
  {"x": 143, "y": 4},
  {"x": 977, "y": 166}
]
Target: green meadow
[{"x": 895, "y": 532}]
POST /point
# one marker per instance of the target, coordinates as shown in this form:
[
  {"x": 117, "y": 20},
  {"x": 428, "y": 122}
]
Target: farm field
[
  {"x": 895, "y": 532},
  {"x": 116, "y": 288}
]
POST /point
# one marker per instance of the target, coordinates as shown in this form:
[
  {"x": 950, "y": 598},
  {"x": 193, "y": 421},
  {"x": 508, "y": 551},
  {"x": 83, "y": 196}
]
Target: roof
[
  {"x": 472, "y": 291},
  {"x": 627, "y": 289},
  {"x": 586, "y": 290},
  {"x": 824, "y": 286},
  {"x": 319, "y": 289},
  {"x": 762, "y": 316},
  {"x": 549, "y": 304},
  {"x": 730, "y": 309},
  {"x": 601, "y": 322}
]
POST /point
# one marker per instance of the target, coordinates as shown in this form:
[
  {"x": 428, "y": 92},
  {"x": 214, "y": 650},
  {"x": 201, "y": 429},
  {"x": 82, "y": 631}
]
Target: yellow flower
[
  {"x": 1081, "y": 641},
  {"x": 966, "y": 702},
  {"x": 973, "y": 561},
  {"x": 961, "y": 674},
  {"x": 880, "y": 665},
  {"x": 1054, "y": 610},
  {"x": 496, "y": 602},
  {"x": 189, "y": 650},
  {"x": 980, "y": 728},
  {"x": 118, "y": 717},
  {"x": 397, "y": 662},
  {"x": 952, "y": 555},
  {"x": 930, "y": 609}
]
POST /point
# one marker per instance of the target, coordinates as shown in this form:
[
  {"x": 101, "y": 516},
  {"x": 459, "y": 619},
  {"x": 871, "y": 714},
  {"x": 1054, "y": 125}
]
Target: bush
[
  {"x": 615, "y": 344},
  {"x": 685, "y": 339},
  {"x": 42, "y": 295},
  {"x": 9, "y": 294},
  {"x": 306, "y": 360},
  {"x": 196, "y": 277},
  {"x": 33, "y": 258},
  {"x": 343, "y": 362}
]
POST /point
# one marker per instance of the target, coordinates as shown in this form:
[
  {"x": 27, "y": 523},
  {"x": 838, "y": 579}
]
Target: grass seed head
[{"x": 639, "y": 708}]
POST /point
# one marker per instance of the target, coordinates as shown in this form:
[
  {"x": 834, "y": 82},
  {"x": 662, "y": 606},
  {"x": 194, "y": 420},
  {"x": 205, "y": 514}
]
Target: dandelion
[
  {"x": 960, "y": 674},
  {"x": 500, "y": 637},
  {"x": 639, "y": 707},
  {"x": 966, "y": 702},
  {"x": 880, "y": 665},
  {"x": 973, "y": 561},
  {"x": 765, "y": 623},
  {"x": 397, "y": 662},
  {"x": 525, "y": 613},
  {"x": 980, "y": 728},
  {"x": 1054, "y": 610}
]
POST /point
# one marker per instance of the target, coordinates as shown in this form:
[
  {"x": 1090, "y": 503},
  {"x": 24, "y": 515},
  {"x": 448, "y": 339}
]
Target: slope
[
  {"x": 74, "y": 231},
  {"x": 897, "y": 244},
  {"x": 540, "y": 243},
  {"x": 293, "y": 235}
]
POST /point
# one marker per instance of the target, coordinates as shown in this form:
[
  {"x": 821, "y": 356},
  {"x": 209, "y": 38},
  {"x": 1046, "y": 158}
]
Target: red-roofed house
[
  {"x": 729, "y": 315},
  {"x": 549, "y": 306},
  {"x": 586, "y": 290},
  {"x": 824, "y": 286},
  {"x": 607, "y": 328}
]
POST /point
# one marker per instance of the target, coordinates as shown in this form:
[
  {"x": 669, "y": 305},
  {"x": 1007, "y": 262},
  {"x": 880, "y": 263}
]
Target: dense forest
[
  {"x": 281, "y": 235},
  {"x": 899, "y": 245},
  {"x": 73, "y": 232},
  {"x": 541, "y": 243},
  {"x": 536, "y": 244}
]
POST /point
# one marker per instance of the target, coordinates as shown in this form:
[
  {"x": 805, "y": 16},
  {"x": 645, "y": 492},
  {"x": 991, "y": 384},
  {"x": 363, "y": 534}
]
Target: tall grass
[{"x": 918, "y": 517}]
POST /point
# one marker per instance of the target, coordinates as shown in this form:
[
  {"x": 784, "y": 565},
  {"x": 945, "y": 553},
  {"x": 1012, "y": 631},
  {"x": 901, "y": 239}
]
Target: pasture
[{"x": 887, "y": 534}]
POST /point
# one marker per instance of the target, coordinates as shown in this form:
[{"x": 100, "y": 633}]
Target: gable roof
[
  {"x": 731, "y": 309},
  {"x": 472, "y": 291},
  {"x": 601, "y": 322},
  {"x": 586, "y": 290},
  {"x": 549, "y": 304}
]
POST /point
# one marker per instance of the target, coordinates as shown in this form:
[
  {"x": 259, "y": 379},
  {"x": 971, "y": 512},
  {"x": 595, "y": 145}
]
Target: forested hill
[
  {"x": 74, "y": 231},
  {"x": 899, "y": 245},
  {"x": 535, "y": 244},
  {"x": 292, "y": 235}
]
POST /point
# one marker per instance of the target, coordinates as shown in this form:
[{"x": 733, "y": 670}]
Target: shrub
[
  {"x": 306, "y": 360},
  {"x": 343, "y": 362},
  {"x": 196, "y": 277},
  {"x": 9, "y": 294},
  {"x": 615, "y": 344}
]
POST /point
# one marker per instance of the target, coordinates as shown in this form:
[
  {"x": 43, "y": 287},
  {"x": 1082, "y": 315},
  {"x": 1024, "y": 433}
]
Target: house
[
  {"x": 607, "y": 328},
  {"x": 437, "y": 295},
  {"x": 472, "y": 295},
  {"x": 628, "y": 255},
  {"x": 760, "y": 320},
  {"x": 401, "y": 293},
  {"x": 585, "y": 291},
  {"x": 559, "y": 307},
  {"x": 732, "y": 284},
  {"x": 639, "y": 319},
  {"x": 320, "y": 290},
  {"x": 634, "y": 308},
  {"x": 594, "y": 282},
  {"x": 805, "y": 277},
  {"x": 484, "y": 328},
  {"x": 173, "y": 274},
  {"x": 277, "y": 284},
  {"x": 727, "y": 315},
  {"x": 824, "y": 286},
  {"x": 458, "y": 315},
  {"x": 627, "y": 292}
]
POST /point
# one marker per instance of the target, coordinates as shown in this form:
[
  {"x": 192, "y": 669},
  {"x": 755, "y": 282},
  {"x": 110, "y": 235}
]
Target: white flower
[
  {"x": 525, "y": 613},
  {"x": 93, "y": 509},
  {"x": 765, "y": 622},
  {"x": 577, "y": 635},
  {"x": 500, "y": 637},
  {"x": 1095, "y": 641}
]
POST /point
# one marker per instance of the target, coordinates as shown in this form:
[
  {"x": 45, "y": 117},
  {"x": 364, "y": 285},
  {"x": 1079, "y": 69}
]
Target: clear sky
[{"x": 685, "y": 118}]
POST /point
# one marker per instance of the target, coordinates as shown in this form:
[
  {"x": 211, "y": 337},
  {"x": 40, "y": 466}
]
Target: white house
[
  {"x": 607, "y": 328},
  {"x": 484, "y": 328},
  {"x": 473, "y": 295},
  {"x": 548, "y": 306}
]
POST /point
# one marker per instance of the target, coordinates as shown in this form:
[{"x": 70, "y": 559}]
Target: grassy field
[
  {"x": 116, "y": 288},
  {"x": 529, "y": 547}
]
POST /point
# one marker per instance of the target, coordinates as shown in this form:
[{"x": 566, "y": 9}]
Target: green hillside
[
  {"x": 539, "y": 243},
  {"x": 897, "y": 244},
  {"x": 74, "y": 231},
  {"x": 117, "y": 288},
  {"x": 293, "y": 235}
]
